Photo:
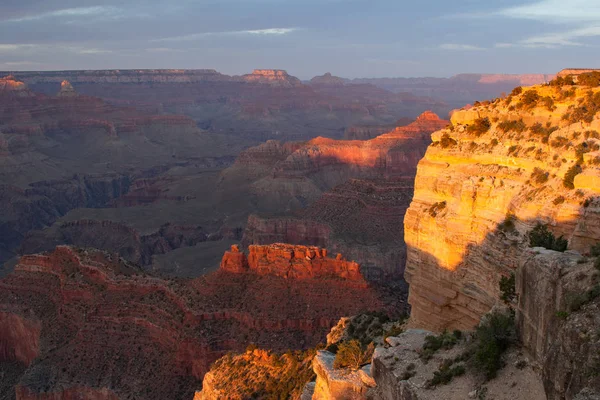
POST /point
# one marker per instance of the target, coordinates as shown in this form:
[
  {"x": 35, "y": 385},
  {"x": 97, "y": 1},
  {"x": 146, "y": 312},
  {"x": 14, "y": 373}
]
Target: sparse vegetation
[
  {"x": 446, "y": 373},
  {"x": 562, "y": 81},
  {"x": 569, "y": 178},
  {"x": 507, "y": 288},
  {"x": 353, "y": 355},
  {"x": 438, "y": 207},
  {"x": 558, "y": 200},
  {"x": 508, "y": 225},
  {"x": 446, "y": 141},
  {"x": 577, "y": 300},
  {"x": 444, "y": 341},
  {"x": 493, "y": 336},
  {"x": 545, "y": 132},
  {"x": 540, "y": 236},
  {"x": 529, "y": 100},
  {"x": 516, "y": 91},
  {"x": 586, "y": 110},
  {"x": 595, "y": 250},
  {"x": 591, "y": 79},
  {"x": 480, "y": 126},
  {"x": 512, "y": 126},
  {"x": 539, "y": 176}
]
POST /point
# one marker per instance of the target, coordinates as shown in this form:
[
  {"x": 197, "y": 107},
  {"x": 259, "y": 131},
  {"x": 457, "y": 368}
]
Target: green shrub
[
  {"x": 508, "y": 225},
  {"x": 591, "y": 79},
  {"x": 595, "y": 250},
  {"x": 545, "y": 132},
  {"x": 539, "y": 176},
  {"x": 444, "y": 341},
  {"x": 493, "y": 336},
  {"x": 436, "y": 208},
  {"x": 563, "y": 81},
  {"x": 548, "y": 102},
  {"x": 480, "y": 126},
  {"x": 586, "y": 110},
  {"x": 446, "y": 141},
  {"x": 529, "y": 99},
  {"x": 514, "y": 125},
  {"x": 559, "y": 141},
  {"x": 445, "y": 373},
  {"x": 558, "y": 200},
  {"x": 494, "y": 142},
  {"x": 569, "y": 179},
  {"x": 352, "y": 354},
  {"x": 577, "y": 300},
  {"x": 507, "y": 288},
  {"x": 516, "y": 91},
  {"x": 562, "y": 314},
  {"x": 540, "y": 236},
  {"x": 393, "y": 331}
]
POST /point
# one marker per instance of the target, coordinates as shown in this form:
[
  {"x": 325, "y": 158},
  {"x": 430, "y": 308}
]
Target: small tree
[
  {"x": 352, "y": 355},
  {"x": 569, "y": 179},
  {"x": 507, "y": 288},
  {"x": 540, "y": 236}
]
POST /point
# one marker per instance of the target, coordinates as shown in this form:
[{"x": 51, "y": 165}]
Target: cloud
[
  {"x": 556, "y": 39},
  {"x": 460, "y": 47},
  {"x": 70, "y": 12},
  {"x": 557, "y": 11},
  {"x": 255, "y": 32}
]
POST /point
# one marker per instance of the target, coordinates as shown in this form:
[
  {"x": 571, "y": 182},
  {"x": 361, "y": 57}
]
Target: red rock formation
[
  {"x": 275, "y": 77},
  {"x": 292, "y": 262},
  {"x": 107, "y": 330}
]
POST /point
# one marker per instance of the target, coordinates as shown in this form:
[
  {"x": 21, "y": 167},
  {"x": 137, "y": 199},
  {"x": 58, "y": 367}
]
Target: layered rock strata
[
  {"x": 481, "y": 188},
  {"x": 87, "y": 323},
  {"x": 292, "y": 262}
]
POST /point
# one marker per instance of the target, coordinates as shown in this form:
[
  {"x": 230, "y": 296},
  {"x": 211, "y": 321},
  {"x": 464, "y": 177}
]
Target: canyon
[
  {"x": 90, "y": 324},
  {"x": 266, "y": 104},
  {"x": 500, "y": 171}
]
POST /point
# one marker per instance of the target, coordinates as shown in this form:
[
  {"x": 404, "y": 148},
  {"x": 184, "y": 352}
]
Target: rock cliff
[
  {"x": 275, "y": 77},
  {"x": 502, "y": 167},
  {"x": 87, "y": 324},
  {"x": 292, "y": 262}
]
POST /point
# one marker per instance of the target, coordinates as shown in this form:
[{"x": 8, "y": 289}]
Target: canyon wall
[
  {"x": 482, "y": 185},
  {"x": 88, "y": 323}
]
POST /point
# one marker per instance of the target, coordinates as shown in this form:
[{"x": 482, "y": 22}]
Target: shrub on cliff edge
[
  {"x": 353, "y": 355},
  {"x": 493, "y": 336},
  {"x": 507, "y": 288},
  {"x": 569, "y": 179},
  {"x": 480, "y": 126},
  {"x": 540, "y": 236}
]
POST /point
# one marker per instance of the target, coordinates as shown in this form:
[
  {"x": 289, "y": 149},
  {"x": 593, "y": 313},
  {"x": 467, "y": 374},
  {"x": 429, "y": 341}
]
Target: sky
[{"x": 349, "y": 38}]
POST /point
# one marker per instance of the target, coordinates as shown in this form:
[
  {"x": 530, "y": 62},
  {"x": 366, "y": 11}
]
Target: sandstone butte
[
  {"x": 86, "y": 324},
  {"x": 471, "y": 188},
  {"x": 292, "y": 262}
]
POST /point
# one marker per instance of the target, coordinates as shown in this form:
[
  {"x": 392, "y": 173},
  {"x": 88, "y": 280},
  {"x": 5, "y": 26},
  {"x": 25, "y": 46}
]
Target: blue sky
[{"x": 350, "y": 38}]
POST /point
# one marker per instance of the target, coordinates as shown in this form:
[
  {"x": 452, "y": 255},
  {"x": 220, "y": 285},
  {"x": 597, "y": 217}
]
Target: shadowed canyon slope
[
  {"x": 354, "y": 193},
  {"x": 85, "y": 323},
  {"x": 65, "y": 152}
]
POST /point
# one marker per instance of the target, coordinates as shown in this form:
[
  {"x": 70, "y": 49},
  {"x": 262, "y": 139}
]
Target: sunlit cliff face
[{"x": 500, "y": 164}]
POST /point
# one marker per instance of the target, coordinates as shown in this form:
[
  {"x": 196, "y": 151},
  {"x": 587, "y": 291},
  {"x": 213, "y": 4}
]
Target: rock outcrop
[
  {"x": 480, "y": 187},
  {"x": 66, "y": 90},
  {"x": 557, "y": 320},
  {"x": 339, "y": 384},
  {"x": 327, "y": 80},
  {"x": 274, "y": 77},
  {"x": 291, "y": 262}
]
